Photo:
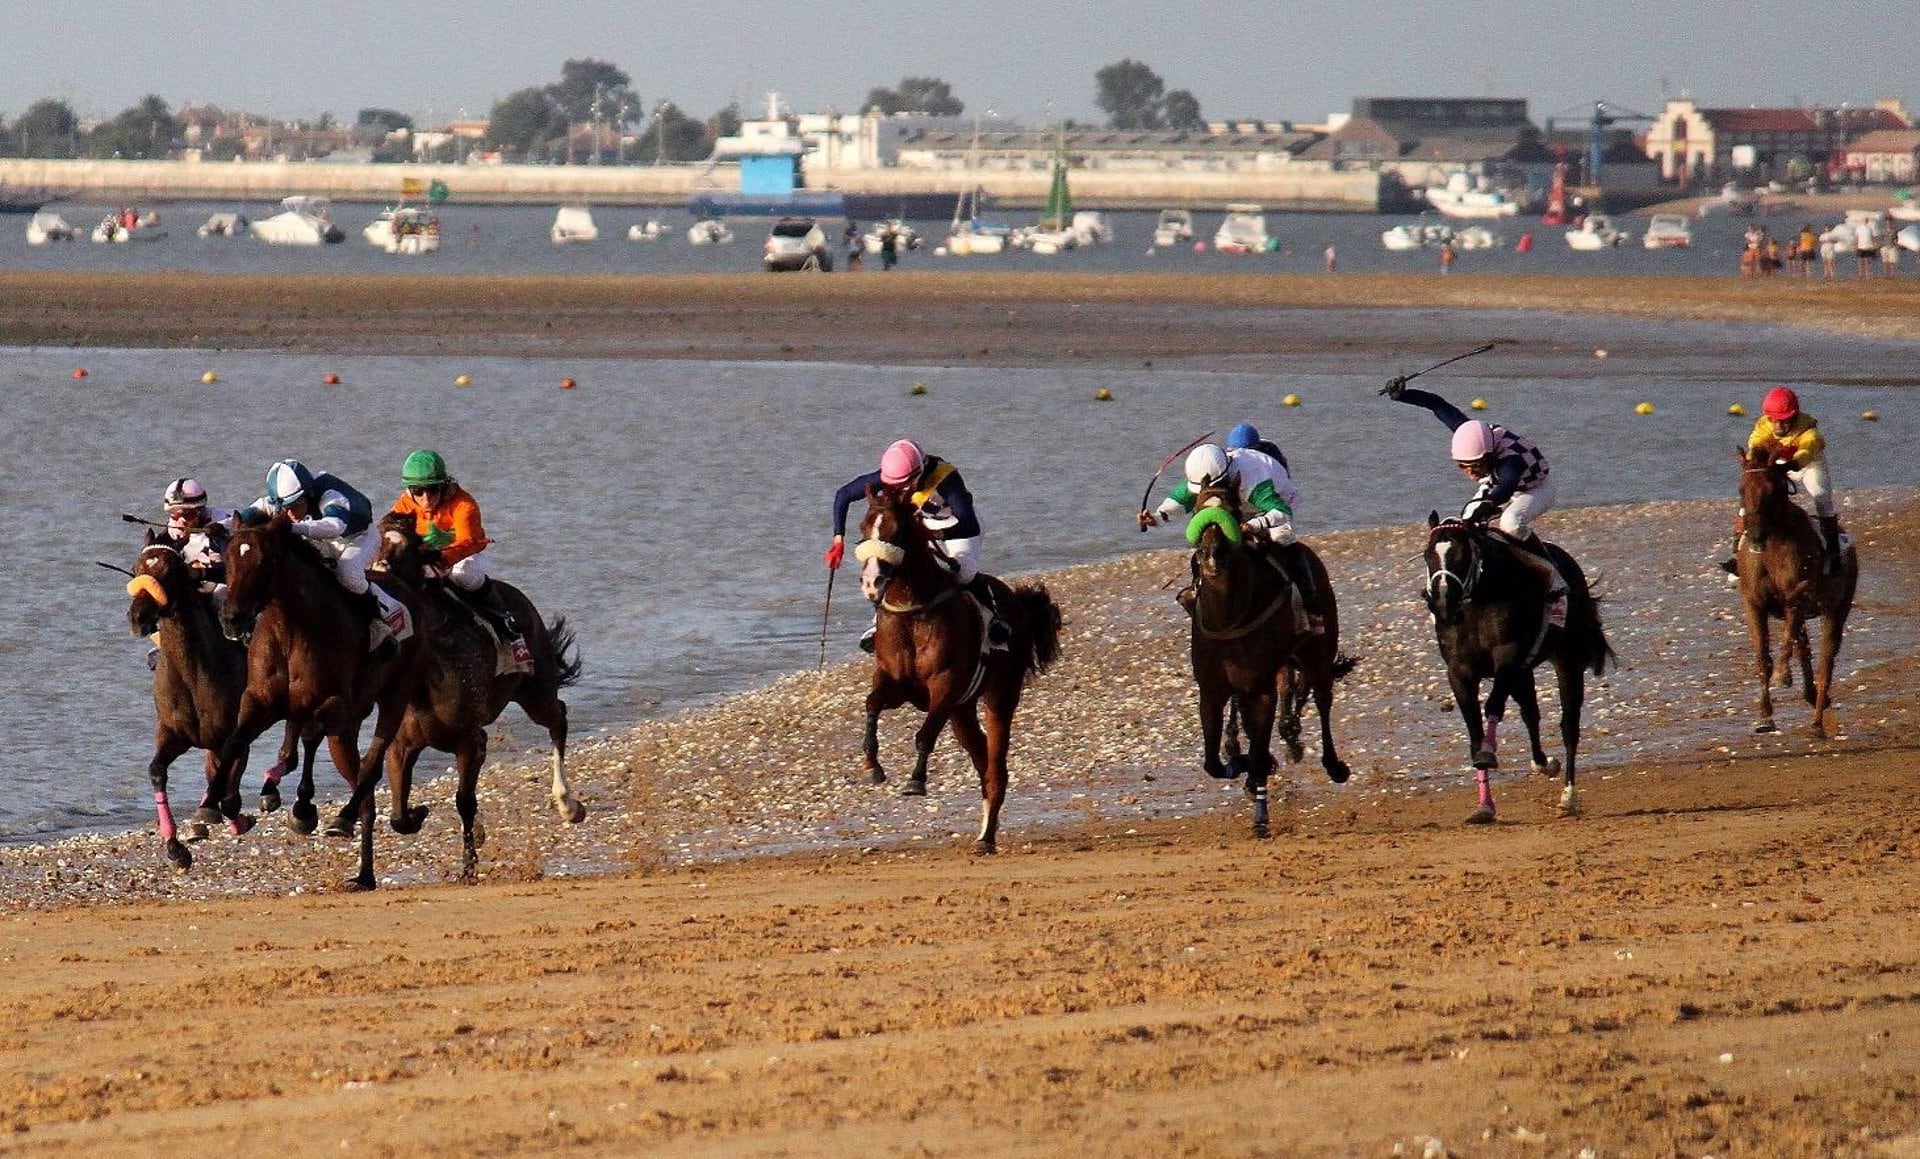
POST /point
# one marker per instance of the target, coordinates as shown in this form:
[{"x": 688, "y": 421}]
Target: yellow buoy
[
  {"x": 209, "y": 378},
  {"x": 1600, "y": 353},
  {"x": 463, "y": 380},
  {"x": 1872, "y": 416},
  {"x": 1103, "y": 395},
  {"x": 1645, "y": 408},
  {"x": 1736, "y": 410},
  {"x": 1290, "y": 400},
  {"x": 917, "y": 388},
  {"x": 1478, "y": 404}
]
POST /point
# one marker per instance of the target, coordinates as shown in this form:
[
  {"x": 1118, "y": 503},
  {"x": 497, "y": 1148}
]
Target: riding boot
[
  {"x": 1556, "y": 583},
  {"x": 1293, "y": 561},
  {"x": 380, "y": 639},
  {"x": 1830, "y": 532},
  {"x": 493, "y": 606},
  {"x": 980, "y": 587}
]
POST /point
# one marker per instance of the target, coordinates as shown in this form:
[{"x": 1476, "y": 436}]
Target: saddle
[{"x": 511, "y": 654}]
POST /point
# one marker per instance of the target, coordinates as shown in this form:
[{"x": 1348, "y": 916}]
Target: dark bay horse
[
  {"x": 308, "y": 663},
  {"x": 196, "y": 687},
  {"x": 1249, "y": 653},
  {"x": 1780, "y": 562},
  {"x": 930, "y": 650},
  {"x": 462, "y": 690},
  {"x": 1490, "y": 617}
]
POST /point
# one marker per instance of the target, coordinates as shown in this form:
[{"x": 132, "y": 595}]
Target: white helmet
[
  {"x": 184, "y": 495},
  {"x": 1206, "y": 465},
  {"x": 288, "y": 482}
]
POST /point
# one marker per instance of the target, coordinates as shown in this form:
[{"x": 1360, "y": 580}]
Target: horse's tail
[
  {"x": 1041, "y": 643},
  {"x": 1343, "y": 664},
  {"x": 565, "y": 654},
  {"x": 1597, "y": 647}
]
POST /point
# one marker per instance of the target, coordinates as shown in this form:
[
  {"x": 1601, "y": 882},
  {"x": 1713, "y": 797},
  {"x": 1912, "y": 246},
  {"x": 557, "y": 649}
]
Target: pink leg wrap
[
  {"x": 1486, "y": 789},
  {"x": 165, "y": 811},
  {"x": 274, "y": 773}
]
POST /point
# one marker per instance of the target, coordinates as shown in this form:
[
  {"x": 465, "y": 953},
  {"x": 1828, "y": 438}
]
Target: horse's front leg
[
  {"x": 270, "y": 781},
  {"x": 167, "y": 747},
  {"x": 303, "y": 818},
  {"x": 253, "y": 719},
  {"x": 1336, "y": 769},
  {"x": 1573, "y": 695},
  {"x": 1213, "y": 703},
  {"x": 1466, "y": 694},
  {"x": 939, "y": 711},
  {"x": 402, "y": 814},
  {"x": 1759, "y": 636},
  {"x": 879, "y": 699},
  {"x": 1256, "y": 712},
  {"x": 466, "y": 799},
  {"x": 1526, "y": 694}
]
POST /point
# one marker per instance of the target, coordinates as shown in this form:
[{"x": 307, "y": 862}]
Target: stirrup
[{"x": 866, "y": 639}]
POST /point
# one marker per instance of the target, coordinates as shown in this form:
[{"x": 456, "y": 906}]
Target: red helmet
[{"x": 1781, "y": 404}]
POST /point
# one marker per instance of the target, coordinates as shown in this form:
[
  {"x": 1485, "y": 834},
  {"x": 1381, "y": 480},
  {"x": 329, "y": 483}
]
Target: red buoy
[
  {"x": 566, "y": 384},
  {"x": 1525, "y": 245},
  {"x": 331, "y": 380},
  {"x": 79, "y": 372}
]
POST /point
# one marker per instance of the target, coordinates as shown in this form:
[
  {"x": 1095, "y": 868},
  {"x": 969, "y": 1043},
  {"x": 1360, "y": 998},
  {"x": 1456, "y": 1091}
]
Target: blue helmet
[
  {"x": 288, "y": 482},
  {"x": 1242, "y": 436}
]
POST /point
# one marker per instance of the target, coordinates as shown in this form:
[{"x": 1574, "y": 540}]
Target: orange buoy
[
  {"x": 1525, "y": 244},
  {"x": 567, "y": 384},
  {"x": 331, "y": 380},
  {"x": 79, "y": 372}
]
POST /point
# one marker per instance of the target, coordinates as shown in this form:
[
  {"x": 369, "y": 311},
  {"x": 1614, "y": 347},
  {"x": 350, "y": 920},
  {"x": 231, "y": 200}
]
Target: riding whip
[
  {"x": 137, "y": 519},
  {"x": 1404, "y": 379},
  {"x": 114, "y": 567},
  {"x": 1147, "y": 495},
  {"x": 825, "y": 611}
]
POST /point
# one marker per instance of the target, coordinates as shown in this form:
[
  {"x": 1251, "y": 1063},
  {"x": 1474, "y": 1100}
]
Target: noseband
[{"x": 1437, "y": 574}]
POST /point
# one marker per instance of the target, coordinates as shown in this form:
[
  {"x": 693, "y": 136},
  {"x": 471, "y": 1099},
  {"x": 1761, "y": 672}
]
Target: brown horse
[
  {"x": 930, "y": 650},
  {"x": 1249, "y": 653},
  {"x": 462, "y": 690},
  {"x": 1780, "y": 561},
  {"x": 1490, "y": 619},
  {"x": 308, "y": 663},
  {"x": 196, "y": 686}
]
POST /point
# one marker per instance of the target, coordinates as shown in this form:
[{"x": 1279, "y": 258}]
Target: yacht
[{"x": 301, "y": 221}]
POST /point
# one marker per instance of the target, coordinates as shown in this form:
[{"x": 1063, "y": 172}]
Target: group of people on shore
[{"x": 1873, "y": 241}]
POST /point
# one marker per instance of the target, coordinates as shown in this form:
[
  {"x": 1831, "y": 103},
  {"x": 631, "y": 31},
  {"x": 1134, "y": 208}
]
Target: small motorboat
[
  {"x": 1666, "y": 231},
  {"x": 1175, "y": 227},
  {"x": 1475, "y": 237},
  {"x": 1413, "y": 235},
  {"x": 120, "y": 228},
  {"x": 650, "y": 230},
  {"x": 46, "y": 227},
  {"x": 709, "y": 231},
  {"x": 1244, "y": 231},
  {"x": 404, "y": 229},
  {"x": 572, "y": 223},
  {"x": 1596, "y": 232},
  {"x": 1461, "y": 198},
  {"x": 301, "y": 221},
  {"x": 223, "y": 225}
]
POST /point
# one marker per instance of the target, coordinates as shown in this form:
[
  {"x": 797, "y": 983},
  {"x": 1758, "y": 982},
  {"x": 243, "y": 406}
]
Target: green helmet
[{"x": 425, "y": 469}]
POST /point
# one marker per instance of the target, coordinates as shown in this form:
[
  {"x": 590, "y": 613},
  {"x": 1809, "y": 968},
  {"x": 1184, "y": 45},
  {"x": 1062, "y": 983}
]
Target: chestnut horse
[
  {"x": 308, "y": 663},
  {"x": 1489, "y": 614},
  {"x": 1248, "y": 652},
  {"x": 930, "y": 650},
  {"x": 196, "y": 686},
  {"x": 1780, "y": 561},
  {"x": 462, "y": 691}
]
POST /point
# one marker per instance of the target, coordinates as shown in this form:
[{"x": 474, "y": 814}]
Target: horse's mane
[{"x": 911, "y": 531}]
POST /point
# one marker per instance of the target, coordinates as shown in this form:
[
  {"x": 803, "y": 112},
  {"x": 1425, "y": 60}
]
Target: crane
[{"x": 1599, "y": 119}]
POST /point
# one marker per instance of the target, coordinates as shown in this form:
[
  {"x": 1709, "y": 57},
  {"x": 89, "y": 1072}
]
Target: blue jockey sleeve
[
  {"x": 843, "y": 498},
  {"x": 960, "y": 502},
  {"x": 1506, "y": 479},
  {"x": 1443, "y": 410}
]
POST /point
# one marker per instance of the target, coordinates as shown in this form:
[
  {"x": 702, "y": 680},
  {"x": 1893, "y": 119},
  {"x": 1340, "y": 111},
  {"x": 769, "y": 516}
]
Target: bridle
[
  {"x": 886, "y": 556},
  {"x": 1438, "y": 573}
]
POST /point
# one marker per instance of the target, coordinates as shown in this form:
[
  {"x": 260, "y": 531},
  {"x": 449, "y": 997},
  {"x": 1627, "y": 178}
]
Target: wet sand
[{"x": 1721, "y": 957}]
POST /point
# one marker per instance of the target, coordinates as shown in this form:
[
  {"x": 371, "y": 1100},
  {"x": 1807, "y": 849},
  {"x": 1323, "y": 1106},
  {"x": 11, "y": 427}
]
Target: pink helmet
[
  {"x": 1472, "y": 441},
  {"x": 1781, "y": 404},
  {"x": 184, "y": 495},
  {"x": 901, "y": 463}
]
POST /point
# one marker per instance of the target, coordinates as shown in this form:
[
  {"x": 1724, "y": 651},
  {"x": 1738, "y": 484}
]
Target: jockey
[
  {"x": 1245, "y": 435},
  {"x": 200, "y": 534},
  {"x": 447, "y": 520},
  {"x": 334, "y": 517},
  {"x": 1790, "y": 435},
  {"x": 1262, "y": 485},
  {"x": 1515, "y": 484},
  {"x": 945, "y": 507}
]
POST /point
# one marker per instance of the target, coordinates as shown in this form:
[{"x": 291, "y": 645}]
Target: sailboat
[
  {"x": 1055, "y": 231},
  {"x": 968, "y": 234}
]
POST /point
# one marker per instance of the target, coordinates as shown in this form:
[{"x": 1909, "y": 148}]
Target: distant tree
[
  {"x": 1181, "y": 110},
  {"x": 915, "y": 94},
  {"x": 1129, "y": 93},
  {"x": 146, "y": 130},
  {"x": 383, "y": 120},
  {"x": 47, "y": 129},
  {"x": 725, "y": 123},
  {"x": 523, "y": 121},
  {"x": 587, "y": 83},
  {"x": 673, "y": 136}
]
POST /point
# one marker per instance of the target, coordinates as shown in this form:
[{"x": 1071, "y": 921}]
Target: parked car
[{"x": 798, "y": 243}]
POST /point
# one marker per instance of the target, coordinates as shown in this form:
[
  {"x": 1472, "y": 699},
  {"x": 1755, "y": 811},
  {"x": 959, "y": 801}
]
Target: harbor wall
[{"x": 252, "y": 182}]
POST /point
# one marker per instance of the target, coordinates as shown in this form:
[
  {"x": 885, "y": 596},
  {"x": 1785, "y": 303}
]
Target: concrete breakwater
[{"x": 1278, "y": 188}]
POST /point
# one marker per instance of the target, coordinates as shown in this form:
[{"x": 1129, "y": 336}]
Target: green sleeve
[
  {"x": 1265, "y": 498},
  {"x": 1182, "y": 494}
]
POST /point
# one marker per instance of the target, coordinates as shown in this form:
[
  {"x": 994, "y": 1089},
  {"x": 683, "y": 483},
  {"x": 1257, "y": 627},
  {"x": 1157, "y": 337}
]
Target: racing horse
[
  {"x": 1249, "y": 654},
  {"x": 196, "y": 686},
  {"x": 930, "y": 650},
  {"x": 465, "y": 685},
  {"x": 308, "y": 663},
  {"x": 1780, "y": 561},
  {"x": 1489, "y": 613}
]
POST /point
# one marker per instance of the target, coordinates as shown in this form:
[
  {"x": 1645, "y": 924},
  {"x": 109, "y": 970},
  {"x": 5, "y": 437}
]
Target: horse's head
[
  {"x": 253, "y": 556},
  {"x": 1453, "y": 558},
  {"x": 1214, "y": 532},
  {"x": 161, "y": 585},
  {"x": 890, "y": 535},
  {"x": 402, "y": 553},
  {"x": 1764, "y": 486}
]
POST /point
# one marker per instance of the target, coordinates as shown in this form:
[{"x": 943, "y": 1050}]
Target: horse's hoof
[
  {"x": 1550, "y": 769},
  {"x": 1236, "y": 767},
  {"x": 570, "y": 810},
  {"x": 1337, "y": 772},
  {"x": 1226, "y": 772},
  {"x": 479, "y": 835},
  {"x": 1262, "y": 832},
  {"x": 985, "y": 847},
  {"x": 410, "y": 821},
  {"x": 208, "y": 815},
  {"x": 1569, "y": 803},
  {"x": 1295, "y": 752},
  {"x": 1766, "y": 725},
  {"x": 361, "y": 884},
  {"x": 197, "y": 831},
  {"x": 303, "y": 818},
  {"x": 342, "y": 827},
  {"x": 469, "y": 870},
  {"x": 179, "y": 854},
  {"x": 1481, "y": 816},
  {"x": 914, "y": 789},
  {"x": 240, "y": 825},
  {"x": 1485, "y": 759},
  {"x": 269, "y": 800},
  {"x": 876, "y": 777}
]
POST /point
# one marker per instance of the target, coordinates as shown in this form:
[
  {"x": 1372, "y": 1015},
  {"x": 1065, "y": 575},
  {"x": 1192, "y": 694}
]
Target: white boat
[
  {"x": 710, "y": 231},
  {"x": 1413, "y": 235},
  {"x": 1244, "y": 231},
  {"x": 1175, "y": 227},
  {"x": 648, "y": 231},
  {"x": 1596, "y": 232},
  {"x": 45, "y": 227},
  {"x": 1475, "y": 237},
  {"x": 1908, "y": 238},
  {"x": 1905, "y": 210},
  {"x": 1461, "y": 200},
  {"x": 905, "y": 237},
  {"x": 1090, "y": 227},
  {"x": 970, "y": 237},
  {"x": 1667, "y": 231},
  {"x": 404, "y": 229},
  {"x": 573, "y": 223},
  {"x": 223, "y": 225},
  {"x": 301, "y": 221}
]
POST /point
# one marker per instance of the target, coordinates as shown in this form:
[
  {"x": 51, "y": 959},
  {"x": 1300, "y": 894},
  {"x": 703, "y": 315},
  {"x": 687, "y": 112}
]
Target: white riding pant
[
  {"x": 1524, "y": 507},
  {"x": 470, "y": 572},
  {"x": 350, "y": 555},
  {"x": 1812, "y": 479},
  {"x": 965, "y": 554}
]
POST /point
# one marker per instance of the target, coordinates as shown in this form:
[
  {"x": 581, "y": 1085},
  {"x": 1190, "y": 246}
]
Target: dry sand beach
[{"x": 1721, "y": 957}]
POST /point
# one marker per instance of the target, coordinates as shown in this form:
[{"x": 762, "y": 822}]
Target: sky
[{"x": 1281, "y": 60}]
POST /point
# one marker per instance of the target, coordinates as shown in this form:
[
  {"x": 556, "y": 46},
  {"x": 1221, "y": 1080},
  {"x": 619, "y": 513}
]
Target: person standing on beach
[
  {"x": 1447, "y": 256},
  {"x": 1332, "y": 259}
]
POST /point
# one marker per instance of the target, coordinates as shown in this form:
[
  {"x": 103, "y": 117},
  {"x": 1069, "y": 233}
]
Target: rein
[{"x": 1247, "y": 627}]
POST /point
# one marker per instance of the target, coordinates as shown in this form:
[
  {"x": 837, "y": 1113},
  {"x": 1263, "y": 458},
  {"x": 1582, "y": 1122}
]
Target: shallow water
[{"x": 675, "y": 511}]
